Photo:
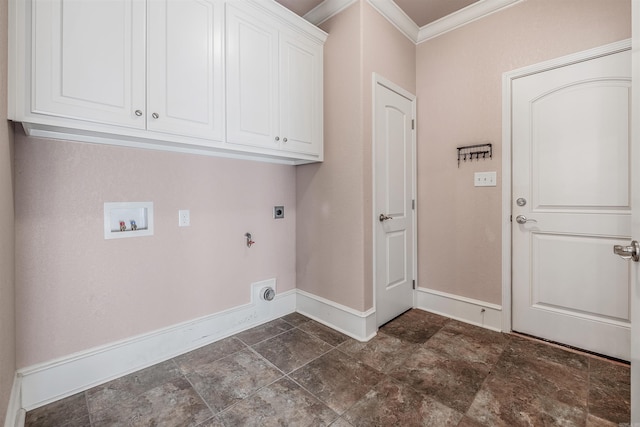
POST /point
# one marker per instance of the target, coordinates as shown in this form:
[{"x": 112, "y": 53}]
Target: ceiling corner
[
  {"x": 326, "y": 10},
  {"x": 392, "y": 12},
  {"x": 462, "y": 17}
]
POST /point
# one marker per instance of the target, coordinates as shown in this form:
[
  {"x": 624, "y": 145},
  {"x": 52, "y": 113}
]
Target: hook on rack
[
  {"x": 476, "y": 150},
  {"x": 249, "y": 241}
]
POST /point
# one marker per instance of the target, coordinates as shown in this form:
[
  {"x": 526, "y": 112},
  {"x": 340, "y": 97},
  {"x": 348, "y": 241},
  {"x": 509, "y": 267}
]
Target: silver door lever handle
[
  {"x": 384, "y": 217},
  {"x": 521, "y": 219},
  {"x": 628, "y": 252}
]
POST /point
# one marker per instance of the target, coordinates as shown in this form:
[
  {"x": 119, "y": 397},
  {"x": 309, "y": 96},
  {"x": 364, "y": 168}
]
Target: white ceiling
[{"x": 422, "y": 12}]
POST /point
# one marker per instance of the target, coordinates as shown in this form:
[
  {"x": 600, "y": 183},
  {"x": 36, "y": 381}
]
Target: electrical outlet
[
  {"x": 278, "y": 212},
  {"x": 184, "y": 218}
]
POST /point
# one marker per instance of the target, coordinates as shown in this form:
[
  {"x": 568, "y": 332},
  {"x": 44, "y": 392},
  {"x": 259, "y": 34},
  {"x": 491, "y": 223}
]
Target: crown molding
[
  {"x": 395, "y": 15},
  {"x": 326, "y": 10},
  {"x": 462, "y": 17},
  {"x": 392, "y": 12},
  {"x": 280, "y": 12}
]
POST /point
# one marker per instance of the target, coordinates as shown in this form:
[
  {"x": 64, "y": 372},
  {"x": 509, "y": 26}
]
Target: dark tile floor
[{"x": 420, "y": 370}]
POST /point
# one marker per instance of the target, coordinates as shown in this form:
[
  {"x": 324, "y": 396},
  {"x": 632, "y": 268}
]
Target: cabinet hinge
[{"x": 414, "y": 283}]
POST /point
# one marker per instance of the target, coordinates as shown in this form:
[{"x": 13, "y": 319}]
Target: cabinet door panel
[
  {"x": 88, "y": 60},
  {"x": 252, "y": 104},
  {"x": 300, "y": 95},
  {"x": 185, "y": 67}
]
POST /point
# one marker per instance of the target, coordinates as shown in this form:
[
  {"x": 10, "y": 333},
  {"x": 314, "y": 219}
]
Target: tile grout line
[
  {"x": 491, "y": 372},
  {"x": 214, "y": 413},
  {"x": 266, "y": 339},
  {"x": 86, "y": 402},
  {"x": 588, "y": 411},
  {"x": 184, "y": 375},
  {"x": 288, "y": 375}
]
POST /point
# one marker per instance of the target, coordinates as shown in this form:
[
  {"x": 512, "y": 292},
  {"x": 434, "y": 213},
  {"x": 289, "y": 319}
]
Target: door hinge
[
  {"x": 413, "y": 124},
  {"x": 413, "y": 204},
  {"x": 414, "y": 283}
]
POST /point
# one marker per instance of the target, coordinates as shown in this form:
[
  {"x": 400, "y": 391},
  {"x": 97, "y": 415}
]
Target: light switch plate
[{"x": 484, "y": 179}]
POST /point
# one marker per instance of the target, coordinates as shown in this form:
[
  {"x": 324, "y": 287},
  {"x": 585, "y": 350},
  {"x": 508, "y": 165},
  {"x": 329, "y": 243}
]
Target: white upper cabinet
[
  {"x": 300, "y": 95},
  {"x": 252, "y": 78},
  {"x": 152, "y": 74},
  {"x": 88, "y": 60},
  {"x": 274, "y": 84},
  {"x": 184, "y": 72}
]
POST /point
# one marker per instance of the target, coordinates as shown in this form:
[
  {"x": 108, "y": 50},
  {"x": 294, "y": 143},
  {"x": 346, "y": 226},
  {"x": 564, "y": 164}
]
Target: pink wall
[
  {"x": 329, "y": 195},
  {"x": 460, "y": 102},
  {"x": 7, "y": 236},
  {"x": 334, "y": 198},
  {"x": 76, "y": 290}
]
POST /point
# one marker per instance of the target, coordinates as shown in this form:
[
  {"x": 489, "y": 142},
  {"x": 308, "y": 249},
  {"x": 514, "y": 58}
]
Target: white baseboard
[
  {"x": 15, "y": 414},
  {"x": 468, "y": 310},
  {"x": 356, "y": 324},
  {"x": 72, "y": 374},
  {"x": 41, "y": 384}
]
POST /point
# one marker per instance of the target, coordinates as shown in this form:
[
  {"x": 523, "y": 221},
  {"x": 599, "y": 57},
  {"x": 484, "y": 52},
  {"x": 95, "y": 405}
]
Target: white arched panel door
[
  {"x": 571, "y": 203},
  {"x": 394, "y": 223}
]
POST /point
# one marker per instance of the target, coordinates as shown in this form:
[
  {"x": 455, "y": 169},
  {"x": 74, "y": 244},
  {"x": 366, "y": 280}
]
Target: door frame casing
[
  {"x": 507, "y": 79},
  {"x": 635, "y": 215},
  {"x": 378, "y": 79}
]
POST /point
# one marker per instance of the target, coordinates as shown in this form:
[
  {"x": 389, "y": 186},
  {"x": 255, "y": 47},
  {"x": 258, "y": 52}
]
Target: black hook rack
[{"x": 478, "y": 151}]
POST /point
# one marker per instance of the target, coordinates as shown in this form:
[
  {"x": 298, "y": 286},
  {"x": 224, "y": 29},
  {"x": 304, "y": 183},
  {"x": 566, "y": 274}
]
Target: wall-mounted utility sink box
[{"x": 128, "y": 219}]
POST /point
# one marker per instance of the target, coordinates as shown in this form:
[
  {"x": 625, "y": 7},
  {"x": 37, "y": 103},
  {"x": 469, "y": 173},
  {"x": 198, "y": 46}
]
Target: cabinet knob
[
  {"x": 277, "y": 138},
  {"x": 138, "y": 113},
  {"x": 284, "y": 140},
  {"x": 155, "y": 115}
]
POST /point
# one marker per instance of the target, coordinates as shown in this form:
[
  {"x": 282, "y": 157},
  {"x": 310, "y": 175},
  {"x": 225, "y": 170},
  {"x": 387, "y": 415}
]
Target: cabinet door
[
  {"x": 252, "y": 103},
  {"x": 88, "y": 60},
  {"x": 184, "y": 70},
  {"x": 300, "y": 95}
]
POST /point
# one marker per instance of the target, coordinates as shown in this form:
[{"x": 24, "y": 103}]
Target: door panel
[
  {"x": 571, "y": 151},
  {"x": 300, "y": 95},
  {"x": 569, "y": 271},
  {"x": 185, "y": 67},
  {"x": 90, "y": 60},
  {"x": 397, "y": 258},
  {"x": 594, "y": 138},
  {"x": 252, "y": 79},
  {"x": 394, "y": 243}
]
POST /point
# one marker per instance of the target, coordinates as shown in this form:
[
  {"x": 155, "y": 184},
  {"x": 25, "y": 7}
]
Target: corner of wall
[{"x": 15, "y": 416}]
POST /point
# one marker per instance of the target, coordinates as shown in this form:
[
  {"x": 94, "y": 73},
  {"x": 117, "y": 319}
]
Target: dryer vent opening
[{"x": 267, "y": 294}]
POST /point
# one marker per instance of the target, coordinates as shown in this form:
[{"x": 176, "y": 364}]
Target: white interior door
[
  {"x": 571, "y": 192},
  {"x": 394, "y": 142}
]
